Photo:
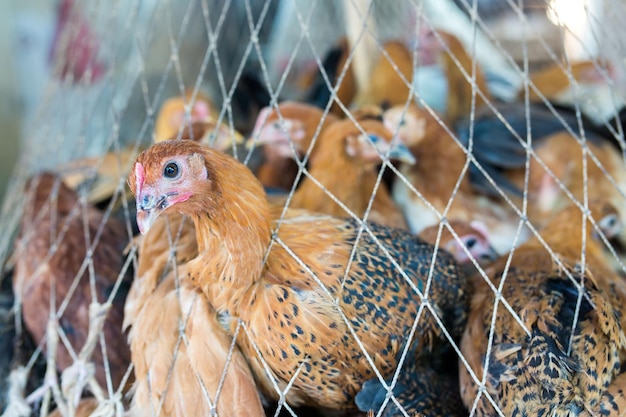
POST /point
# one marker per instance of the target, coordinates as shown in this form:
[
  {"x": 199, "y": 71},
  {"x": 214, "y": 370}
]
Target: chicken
[
  {"x": 171, "y": 119},
  {"x": 334, "y": 65},
  {"x": 169, "y": 363},
  {"x": 390, "y": 79},
  {"x": 586, "y": 86},
  {"x": 292, "y": 123},
  {"x": 570, "y": 347},
  {"x": 53, "y": 271},
  {"x": 299, "y": 307},
  {"x": 471, "y": 245},
  {"x": 555, "y": 80},
  {"x": 437, "y": 184},
  {"x": 345, "y": 166},
  {"x": 499, "y": 157},
  {"x": 565, "y": 158},
  {"x": 445, "y": 49},
  {"x": 101, "y": 176}
]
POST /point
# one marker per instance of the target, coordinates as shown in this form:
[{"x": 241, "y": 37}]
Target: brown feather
[
  {"x": 293, "y": 318},
  {"x": 536, "y": 373},
  {"x": 50, "y": 249},
  {"x": 386, "y": 85},
  {"x": 167, "y": 367},
  {"x": 349, "y": 178}
]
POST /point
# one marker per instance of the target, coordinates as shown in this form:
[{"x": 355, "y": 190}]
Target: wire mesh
[{"x": 117, "y": 63}]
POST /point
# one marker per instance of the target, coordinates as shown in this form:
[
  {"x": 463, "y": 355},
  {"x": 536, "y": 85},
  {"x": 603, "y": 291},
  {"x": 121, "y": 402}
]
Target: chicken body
[
  {"x": 173, "y": 367},
  {"x": 171, "y": 119},
  {"x": 567, "y": 354},
  {"x": 302, "y": 312},
  {"x": 292, "y": 123},
  {"x": 391, "y": 77},
  {"x": 345, "y": 166},
  {"x": 597, "y": 171},
  {"x": 441, "y": 182},
  {"x": 55, "y": 235}
]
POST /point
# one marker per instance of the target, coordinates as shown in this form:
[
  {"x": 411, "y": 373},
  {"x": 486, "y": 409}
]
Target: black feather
[
  {"x": 319, "y": 93},
  {"x": 497, "y": 147}
]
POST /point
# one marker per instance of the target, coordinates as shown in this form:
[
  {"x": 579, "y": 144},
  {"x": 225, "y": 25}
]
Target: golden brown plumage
[
  {"x": 436, "y": 174},
  {"x": 299, "y": 125},
  {"x": 288, "y": 313},
  {"x": 167, "y": 366},
  {"x": 171, "y": 119},
  {"x": 578, "y": 172},
  {"x": 555, "y": 79},
  {"x": 535, "y": 370},
  {"x": 345, "y": 165},
  {"x": 55, "y": 234},
  {"x": 387, "y": 85},
  {"x": 457, "y": 65},
  {"x": 613, "y": 402}
]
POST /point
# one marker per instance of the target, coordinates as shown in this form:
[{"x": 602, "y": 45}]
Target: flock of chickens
[{"x": 354, "y": 256}]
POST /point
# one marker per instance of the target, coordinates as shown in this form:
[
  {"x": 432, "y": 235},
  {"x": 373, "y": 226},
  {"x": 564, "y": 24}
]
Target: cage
[{"x": 490, "y": 128}]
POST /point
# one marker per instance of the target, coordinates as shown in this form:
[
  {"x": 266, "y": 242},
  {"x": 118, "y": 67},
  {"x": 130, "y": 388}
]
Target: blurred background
[
  {"x": 26, "y": 32},
  {"x": 136, "y": 40}
]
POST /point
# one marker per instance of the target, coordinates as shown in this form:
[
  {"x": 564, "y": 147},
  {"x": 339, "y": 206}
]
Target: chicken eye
[
  {"x": 471, "y": 242},
  {"x": 609, "y": 225},
  {"x": 171, "y": 170}
]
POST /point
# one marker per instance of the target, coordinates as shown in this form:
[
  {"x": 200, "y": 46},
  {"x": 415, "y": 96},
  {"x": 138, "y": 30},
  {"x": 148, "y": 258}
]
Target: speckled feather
[
  {"x": 420, "y": 390},
  {"x": 295, "y": 321},
  {"x": 533, "y": 374}
]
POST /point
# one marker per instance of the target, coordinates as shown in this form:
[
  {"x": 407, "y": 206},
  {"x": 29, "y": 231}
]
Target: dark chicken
[{"x": 570, "y": 347}]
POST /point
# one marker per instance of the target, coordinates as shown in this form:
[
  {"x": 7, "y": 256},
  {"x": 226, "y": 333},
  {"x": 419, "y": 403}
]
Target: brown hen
[
  {"x": 302, "y": 307},
  {"x": 437, "y": 184},
  {"x": 57, "y": 234},
  {"x": 277, "y": 130},
  {"x": 345, "y": 166}
]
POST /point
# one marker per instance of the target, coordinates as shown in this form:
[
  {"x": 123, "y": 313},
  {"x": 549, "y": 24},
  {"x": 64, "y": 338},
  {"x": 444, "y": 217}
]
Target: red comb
[{"x": 140, "y": 177}]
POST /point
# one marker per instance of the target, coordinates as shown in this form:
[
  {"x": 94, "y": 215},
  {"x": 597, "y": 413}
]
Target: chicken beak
[
  {"x": 148, "y": 209},
  {"x": 400, "y": 152},
  {"x": 491, "y": 255}
]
